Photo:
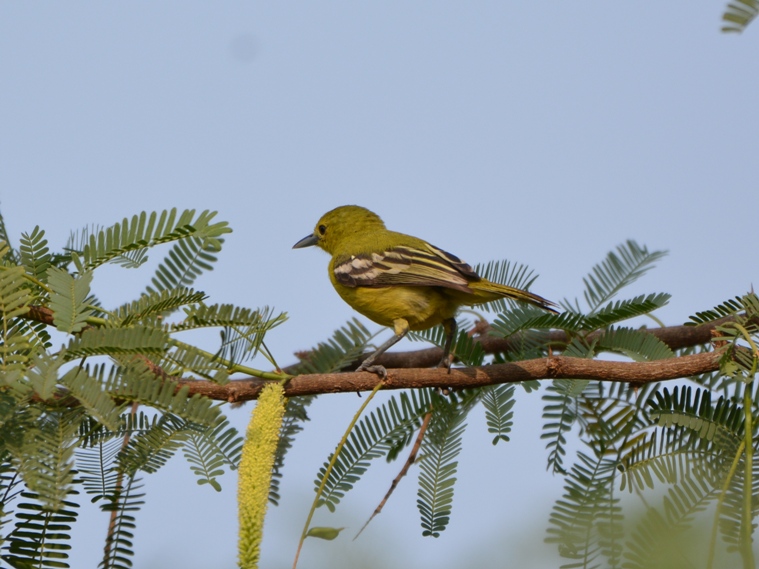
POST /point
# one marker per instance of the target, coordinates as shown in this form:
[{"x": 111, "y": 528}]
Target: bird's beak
[{"x": 309, "y": 241}]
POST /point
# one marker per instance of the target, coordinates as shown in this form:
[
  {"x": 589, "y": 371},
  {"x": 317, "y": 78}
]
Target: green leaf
[
  {"x": 739, "y": 14},
  {"x": 523, "y": 318},
  {"x": 498, "y": 401},
  {"x": 41, "y": 538},
  {"x": 345, "y": 347},
  {"x": 438, "y": 465},
  {"x": 374, "y": 436},
  {"x": 466, "y": 349},
  {"x": 184, "y": 263},
  {"x": 7, "y": 253},
  {"x": 210, "y": 450},
  {"x": 44, "y": 376},
  {"x": 88, "y": 391},
  {"x": 618, "y": 270},
  {"x": 150, "y": 305},
  {"x": 147, "y": 230},
  {"x": 140, "y": 385},
  {"x": 68, "y": 299},
  {"x": 624, "y": 310},
  {"x": 34, "y": 254},
  {"x": 324, "y": 532},
  {"x": 48, "y": 465},
  {"x": 559, "y": 414},
  {"x": 14, "y": 296},
  {"x": 117, "y": 341},
  {"x": 638, "y": 345},
  {"x": 295, "y": 415},
  {"x": 728, "y": 308},
  {"x": 582, "y": 521}
]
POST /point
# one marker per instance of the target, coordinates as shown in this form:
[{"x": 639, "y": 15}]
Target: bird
[{"x": 401, "y": 281}]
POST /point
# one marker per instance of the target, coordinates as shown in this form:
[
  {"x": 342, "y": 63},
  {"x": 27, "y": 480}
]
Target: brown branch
[
  {"x": 406, "y": 369},
  {"x": 554, "y": 367},
  {"x": 676, "y": 337}
]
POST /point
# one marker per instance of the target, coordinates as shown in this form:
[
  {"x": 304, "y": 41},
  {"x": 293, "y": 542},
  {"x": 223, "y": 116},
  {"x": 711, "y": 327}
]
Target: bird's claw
[
  {"x": 446, "y": 362},
  {"x": 376, "y": 369}
]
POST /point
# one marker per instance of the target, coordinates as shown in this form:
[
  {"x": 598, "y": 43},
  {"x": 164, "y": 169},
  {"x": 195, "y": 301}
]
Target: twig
[{"x": 409, "y": 461}]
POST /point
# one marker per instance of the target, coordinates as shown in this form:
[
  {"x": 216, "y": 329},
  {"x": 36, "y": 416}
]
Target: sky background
[{"x": 545, "y": 133}]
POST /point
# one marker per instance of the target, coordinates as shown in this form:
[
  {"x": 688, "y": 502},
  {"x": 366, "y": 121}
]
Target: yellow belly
[{"x": 421, "y": 307}]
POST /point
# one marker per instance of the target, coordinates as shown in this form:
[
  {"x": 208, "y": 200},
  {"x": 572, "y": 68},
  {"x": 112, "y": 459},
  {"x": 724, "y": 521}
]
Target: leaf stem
[
  {"x": 330, "y": 466},
  {"x": 746, "y": 526},
  {"x": 231, "y": 366},
  {"x": 720, "y": 501}
]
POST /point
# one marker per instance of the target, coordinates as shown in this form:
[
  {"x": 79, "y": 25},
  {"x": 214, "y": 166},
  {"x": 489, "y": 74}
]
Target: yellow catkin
[{"x": 255, "y": 471}]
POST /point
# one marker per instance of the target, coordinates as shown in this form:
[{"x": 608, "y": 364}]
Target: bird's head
[{"x": 341, "y": 226}]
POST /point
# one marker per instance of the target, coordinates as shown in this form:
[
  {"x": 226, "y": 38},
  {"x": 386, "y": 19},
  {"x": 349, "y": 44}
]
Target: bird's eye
[{"x": 322, "y": 229}]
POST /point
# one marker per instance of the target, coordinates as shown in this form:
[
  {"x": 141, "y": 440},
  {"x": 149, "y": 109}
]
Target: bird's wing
[{"x": 405, "y": 266}]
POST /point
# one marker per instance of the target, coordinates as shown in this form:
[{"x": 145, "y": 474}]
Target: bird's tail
[{"x": 485, "y": 291}]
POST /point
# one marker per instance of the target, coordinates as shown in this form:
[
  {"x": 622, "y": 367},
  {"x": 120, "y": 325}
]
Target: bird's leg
[
  {"x": 401, "y": 328},
  {"x": 450, "y": 327}
]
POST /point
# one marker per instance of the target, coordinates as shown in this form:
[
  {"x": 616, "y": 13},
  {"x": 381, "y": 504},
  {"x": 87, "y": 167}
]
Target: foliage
[
  {"x": 96, "y": 414},
  {"x": 739, "y": 14},
  {"x": 685, "y": 444},
  {"x": 73, "y": 423}
]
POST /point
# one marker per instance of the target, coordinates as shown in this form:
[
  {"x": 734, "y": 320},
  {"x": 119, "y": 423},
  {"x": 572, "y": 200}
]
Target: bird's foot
[
  {"x": 446, "y": 362},
  {"x": 377, "y": 369}
]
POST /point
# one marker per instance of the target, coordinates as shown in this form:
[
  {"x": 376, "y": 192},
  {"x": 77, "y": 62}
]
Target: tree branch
[
  {"x": 410, "y": 370},
  {"x": 676, "y": 337},
  {"x": 554, "y": 367}
]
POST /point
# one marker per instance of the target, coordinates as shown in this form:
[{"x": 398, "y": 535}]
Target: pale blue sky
[{"x": 542, "y": 132}]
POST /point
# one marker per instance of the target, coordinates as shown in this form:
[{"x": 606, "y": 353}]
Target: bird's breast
[{"x": 422, "y": 307}]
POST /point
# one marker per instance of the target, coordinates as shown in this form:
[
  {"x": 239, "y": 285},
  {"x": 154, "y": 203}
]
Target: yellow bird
[{"x": 401, "y": 281}]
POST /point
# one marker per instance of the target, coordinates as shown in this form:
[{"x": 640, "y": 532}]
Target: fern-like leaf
[
  {"x": 48, "y": 464},
  {"x": 88, "y": 391},
  {"x": 739, "y": 14},
  {"x": 34, "y": 254},
  {"x": 692, "y": 408},
  {"x": 184, "y": 358},
  {"x": 68, "y": 299},
  {"x": 295, "y": 415},
  {"x": 559, "y": 414},
  {"x": 624, "y": 310},
  {"x": 243, "y": 341},
  {"x": 41, "y": 537},
  {"x": 157, "y": 303},
  {"x": 7, "y": 253},
  {"x": 583, "y": 520},
  {"x": 619, "y": 269},
  {"x": 147, "y": 230},
  {"x": 14, "y": 296},
  {"x": 116, "y": 341},
  {"x": 210, "y": 450},
  {"x": 438, "y": 465},
  {"x": 96, "y": 466},
  {"x": 131, "y": 259},
  {"x": 523, "y": 318},
  {"x": 151, "y": 449},
  {"x": 372, "y": 437},
  {"x": 498, "y": 401},
  {"x": 638, "y": 345},
  {"x": 465, "y": 348},
  {"x": 728, "y": 308},
  {"x": 184, "y": 263},
  {"x": 346, "y": 346},
  {"x": 119, "y": 548},
  {"x": 135, "y": 382}
]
